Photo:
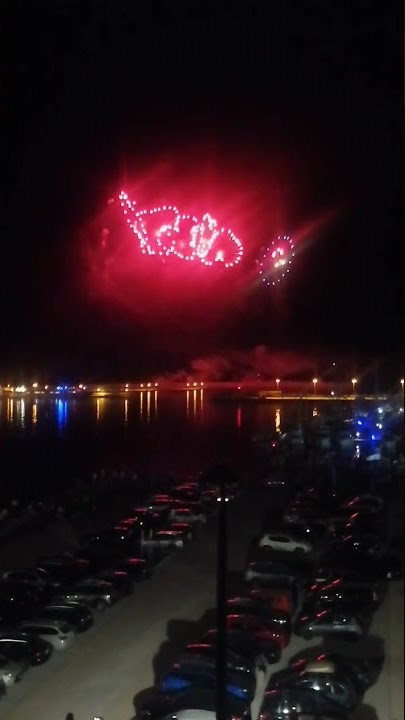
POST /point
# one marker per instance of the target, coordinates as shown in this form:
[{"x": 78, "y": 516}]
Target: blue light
[
  {"x": 373, "y": 437},
  {"x": 359, "y": 422},
  {"x": 61, "y": 410}
]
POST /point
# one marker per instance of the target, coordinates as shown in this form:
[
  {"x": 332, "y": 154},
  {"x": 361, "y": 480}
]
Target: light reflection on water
[{"x": 47, "y": 439}]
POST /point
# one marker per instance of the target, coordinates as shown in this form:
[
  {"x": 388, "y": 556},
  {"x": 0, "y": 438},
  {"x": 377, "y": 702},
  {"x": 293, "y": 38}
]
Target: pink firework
[
  {"x": 164, "y": 231},
  {"x": 275, "y": 262}
]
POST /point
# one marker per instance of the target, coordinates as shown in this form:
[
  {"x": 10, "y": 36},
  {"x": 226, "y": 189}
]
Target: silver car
[
  {"x": 58, "y": 633},
  {"x": 165, "y": 539},
  {"x": 11, "y": 671},
  {"x": 189, "y": 515},
  {"x": 94, "y": 592}
]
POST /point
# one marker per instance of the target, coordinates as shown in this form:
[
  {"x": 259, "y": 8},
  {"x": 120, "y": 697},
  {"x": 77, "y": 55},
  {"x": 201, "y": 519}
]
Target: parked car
[
  {"x": 186, "y": 529},
  {"x": 137, "y": 568},
  {"x": 297, "y": 703},
  {"x": 165, "y": 539},
  {"x": 120, "y": 579},
  {"x": 193, "y": 674},
  {"x": 119, "y": 537},
  {"x": 160, "y": 502},
  {"x": 35, "y": 578},
  {"x": 259, "y": 573},
  {"x": 18, "y": 601},
  {"x": 60, "y": 574},
  {"x": 251, "y": 606},
  {"x": 363, "y": 672},
  {"x": 11, "y": 671},
  {"x": 269, "y": 639},
  {"x": 192, "y": 703},
  {"x": 364, "y": 544},
  {"x": 190, "y": 515},
  {"x": 285, "y": 543},
  {"x": 97, "y": 594},
  {"x": 365, "y": 503},
  {"x": 335, "y": 622},
  {"x": 343, "y": 594},
  {"x": 277, "y": 599},
  {"x": 208, "y": 651},
  {"x": 57, "y": 632},
  {"x": 388, "y": 566},
  {"x": 244, "y": 644},
  {"x": 321, "y": 676},
  {"x": 21, "y": 646},
  {"x": 149, "y": 518},
  {"x": 77, "y": 615}
]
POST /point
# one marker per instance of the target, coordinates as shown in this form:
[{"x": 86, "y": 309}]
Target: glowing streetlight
[
  {"x": 35, "y": 385},
  {"x": 315, "y": 380},
  {"x": 402, "y": 383},
  {"x": 278, "y": 383},
  {"x": 354, "y": 382}
]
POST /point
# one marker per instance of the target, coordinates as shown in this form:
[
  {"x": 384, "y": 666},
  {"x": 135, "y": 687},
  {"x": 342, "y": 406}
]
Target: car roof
[
  {"x": 322, "y": 666},
  {"x": 39, "y": 621}
]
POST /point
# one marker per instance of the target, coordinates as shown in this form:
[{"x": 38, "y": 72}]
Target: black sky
[{"x": 312, "y": 89}]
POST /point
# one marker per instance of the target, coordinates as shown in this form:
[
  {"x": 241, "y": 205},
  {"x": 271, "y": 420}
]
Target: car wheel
[
  {"x": 101, "y": 605},
  {"x": 299, "y": 551},
  {"x": 272, "y": 657}
]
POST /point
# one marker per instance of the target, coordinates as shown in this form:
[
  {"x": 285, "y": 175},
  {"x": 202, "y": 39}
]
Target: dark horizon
[{"x": 292, "y": 116}]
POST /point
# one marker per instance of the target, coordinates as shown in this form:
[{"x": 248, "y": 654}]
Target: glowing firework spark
[
  {"x": 164, "y": 231},
  {"x": 274, "y": 263}
]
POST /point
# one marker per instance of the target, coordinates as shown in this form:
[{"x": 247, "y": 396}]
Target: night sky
[{"x": 297, "y": 104}]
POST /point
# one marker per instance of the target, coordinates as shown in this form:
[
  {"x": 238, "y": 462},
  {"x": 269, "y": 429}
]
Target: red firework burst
[
  {"x": 164, "y": 231},
  {"x": 275, "y": 261}
]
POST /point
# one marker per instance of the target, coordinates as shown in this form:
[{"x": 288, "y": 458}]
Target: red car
[
  {"x": 265, "y": 632},
  {"x": 277, "y": 599}
]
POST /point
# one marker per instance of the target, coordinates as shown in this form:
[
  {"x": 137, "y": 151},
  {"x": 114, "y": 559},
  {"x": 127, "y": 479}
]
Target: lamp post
[
  {"x": 278, "y": 383},
  {"x": 402, "y": 383},
  {"x": 315, "y": 380},
  {"x": 354, "y": 382},
  {"x": 221, "y": 600}
]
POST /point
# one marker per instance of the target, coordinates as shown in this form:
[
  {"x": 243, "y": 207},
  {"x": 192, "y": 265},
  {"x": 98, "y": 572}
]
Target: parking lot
[{"x": 112, "y": 667}]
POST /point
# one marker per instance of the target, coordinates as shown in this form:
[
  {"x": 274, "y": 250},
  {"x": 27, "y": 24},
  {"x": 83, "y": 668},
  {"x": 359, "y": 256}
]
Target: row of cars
[
  {"x": 332, "y": 556},
  {"x": 42, "y": 608},
  {"x": 317, "y": 573},
  {"x": 259, "y": 623}
]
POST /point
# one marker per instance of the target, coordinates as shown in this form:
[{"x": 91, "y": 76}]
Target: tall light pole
[
  {"x": 402, "y": 383},
  {"x": 354, "y": 382},
  {"x": 277, "y": 383},
  {"x": 315, "y": 380}
]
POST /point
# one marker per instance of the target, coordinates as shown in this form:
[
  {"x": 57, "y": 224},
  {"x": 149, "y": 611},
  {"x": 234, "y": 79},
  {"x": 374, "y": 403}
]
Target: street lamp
[
  {"x": 354, "y": 381},
  {"x": 277, "y": 383},
  {"x": 402, "y": 383},
  {"x": 315, "y": 380}
]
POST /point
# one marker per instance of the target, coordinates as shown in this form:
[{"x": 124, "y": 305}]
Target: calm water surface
[{"x": 47, "y": 441}]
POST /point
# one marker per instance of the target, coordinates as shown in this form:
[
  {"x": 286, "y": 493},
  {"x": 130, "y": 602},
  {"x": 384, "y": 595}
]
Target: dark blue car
[{"x": 181, "y": 677}]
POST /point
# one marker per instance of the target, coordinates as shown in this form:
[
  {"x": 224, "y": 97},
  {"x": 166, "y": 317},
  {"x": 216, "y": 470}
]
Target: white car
[
  {"x": 282, "y": 542},
  {"x": 58, "y": 633}
]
